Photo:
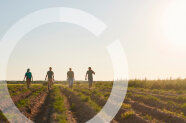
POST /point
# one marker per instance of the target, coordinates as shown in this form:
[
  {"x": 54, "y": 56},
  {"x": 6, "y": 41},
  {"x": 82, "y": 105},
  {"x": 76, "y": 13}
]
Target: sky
[{"x": 152, "y": 34}]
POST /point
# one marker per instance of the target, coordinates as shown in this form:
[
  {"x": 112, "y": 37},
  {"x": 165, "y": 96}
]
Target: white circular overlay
[{"x": 73, "y": 16}]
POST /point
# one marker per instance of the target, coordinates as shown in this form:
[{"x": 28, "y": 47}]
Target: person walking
[
  {"x": 70, "y": 77},
  {"x": 28, "y": 77},
  {"x": 90, "y": 73},
  {"x": 50, "y": 75}
]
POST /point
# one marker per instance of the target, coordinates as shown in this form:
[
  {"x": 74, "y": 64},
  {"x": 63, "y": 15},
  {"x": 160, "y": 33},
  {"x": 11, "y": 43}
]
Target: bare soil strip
[
  {"x": 44, "y": 112},
  {"x": 80, "y": 109},
  {"x": 36, "y": 104}
]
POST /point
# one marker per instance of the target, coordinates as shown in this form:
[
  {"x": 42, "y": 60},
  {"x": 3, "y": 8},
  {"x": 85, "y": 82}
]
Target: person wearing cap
[
  {"x": 50, "y": 75},
  {"x": 28, "y": 77},
  {"x": 70, "y": 77},
  {"x": 89, "y": 73}
]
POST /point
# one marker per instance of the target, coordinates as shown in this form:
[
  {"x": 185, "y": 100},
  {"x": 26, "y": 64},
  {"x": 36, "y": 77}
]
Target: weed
[
  {"x": 147, "y": 117},
  {"x": 59, "y": 105},
  {"x": 127, "y": 114},
  {"x": 126, "y": 106},
  {"x": 73, "y": 106},
  {"x": 184, "y": 108}
]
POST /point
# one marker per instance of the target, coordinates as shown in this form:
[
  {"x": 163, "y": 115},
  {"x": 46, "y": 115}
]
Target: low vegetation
[{"x": 145, "y": 101}]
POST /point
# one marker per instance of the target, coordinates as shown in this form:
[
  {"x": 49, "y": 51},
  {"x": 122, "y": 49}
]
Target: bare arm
[
  {"x": 67, "y": 76},
  {"x": 73, "y": 76},
  {"x": 53, "y": 77},
  {"x": 24, "y": 78},
  {"x": 46, "y": 77},
  {"x": 31, "y": 77},
  {"x": 86, "y": 76}
]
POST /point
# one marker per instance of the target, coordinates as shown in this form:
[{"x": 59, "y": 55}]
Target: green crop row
[
  {"x": 26, "y": 101},
  {"x": 58, "y": 105},
  {"x": 87, "y": 99}
]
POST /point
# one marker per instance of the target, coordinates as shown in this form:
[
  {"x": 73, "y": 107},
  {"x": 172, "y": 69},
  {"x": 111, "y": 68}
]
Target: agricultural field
[{"x": 159, "y": 101}]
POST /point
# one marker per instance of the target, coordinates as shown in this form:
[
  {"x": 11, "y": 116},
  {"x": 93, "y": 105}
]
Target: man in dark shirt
[
  {"x": 70, "y": 77},
  {"x": 90, "y": 73},
  {"x": 50, "y": 75}
]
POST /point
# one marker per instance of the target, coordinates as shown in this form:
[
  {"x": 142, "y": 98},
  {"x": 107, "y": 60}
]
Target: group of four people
[{"x": 50, "y": 75}]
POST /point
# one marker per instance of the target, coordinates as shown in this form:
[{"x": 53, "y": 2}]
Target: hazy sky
[{"x": 152, "y": 33}]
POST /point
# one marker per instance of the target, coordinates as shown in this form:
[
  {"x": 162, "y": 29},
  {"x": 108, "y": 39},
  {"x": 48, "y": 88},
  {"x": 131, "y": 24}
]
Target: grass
[
  {"x": 22, "y": 103},
  {"x": 156, "y": 102},
  {"x": 72, "y": 107},
  {"x": 87, "y": 99},
  {"x": 126, "y": 106},
  {"x": 127, "y": 114},
  {"x": 159, "y": 84},
  {"x": 26, "y": 101},
  {"x": 173, "y": 90},
  {"x": 148, "y": 99},
  {"x": 174, "y": 113},
  {"x": 2, "y": 117},
  {"x": 184, "y": 108},
  {"x": 148, "y": 117},
  {"x": 58, "y": 105},
  {"x": 171, "y": 104},
  {"x": 90, "y": 102},
  {"x": 181, "y": 99}
]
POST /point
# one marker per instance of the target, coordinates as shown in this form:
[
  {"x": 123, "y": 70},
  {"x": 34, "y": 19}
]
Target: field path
[
  {"x": 70, "y": 116},
  {"x": 44, "y": 114}
]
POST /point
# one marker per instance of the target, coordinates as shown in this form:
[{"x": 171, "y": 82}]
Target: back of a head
[
  {"x": 89, "y": 68},
  {"x": 70, "y": 69},
  {"x": 28, "y": 70},
  {"x": 50, "y": 68}
]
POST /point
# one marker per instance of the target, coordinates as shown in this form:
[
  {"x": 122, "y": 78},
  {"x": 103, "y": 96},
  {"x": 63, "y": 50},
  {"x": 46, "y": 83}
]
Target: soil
[
  {"x": 133, "y": 119},
  {"x": 81, "y": 110},
  {"x": 70, "y": 116},
  {"x": 44, "y": 114},
  {"x": 154, "y": 112},
  {"x": 6, "y": 105},
  {"x": 162, "y": 97}
]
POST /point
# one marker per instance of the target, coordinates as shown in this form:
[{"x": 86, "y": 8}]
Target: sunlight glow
[{"x": 175, "y": 22}]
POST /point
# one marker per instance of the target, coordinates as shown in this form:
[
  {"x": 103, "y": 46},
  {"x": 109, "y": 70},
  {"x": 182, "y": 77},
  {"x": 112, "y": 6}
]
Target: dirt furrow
[
  {"x": 5, "y": 105},
  {"x": 102, "y": 102},
  {"x": 80, "y": 109},
  {"x": 154, "y": 112},
  {"x": 36, "y": 104},
  {"x": 70, "y": 116},
  {"x": 162, "y": 97},
  {"x": 44, "y": 112}
]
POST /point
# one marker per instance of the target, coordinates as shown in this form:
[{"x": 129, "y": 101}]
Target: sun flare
[{"x": 175, "y": 22}]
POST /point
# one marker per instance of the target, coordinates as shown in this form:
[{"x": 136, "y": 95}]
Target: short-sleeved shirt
[
  {"x": 28, "y": 75},
  {"x": 90, "y": 72},
  {"x": 70, "y": 74},
  {"x": 50, "y": 74}
]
